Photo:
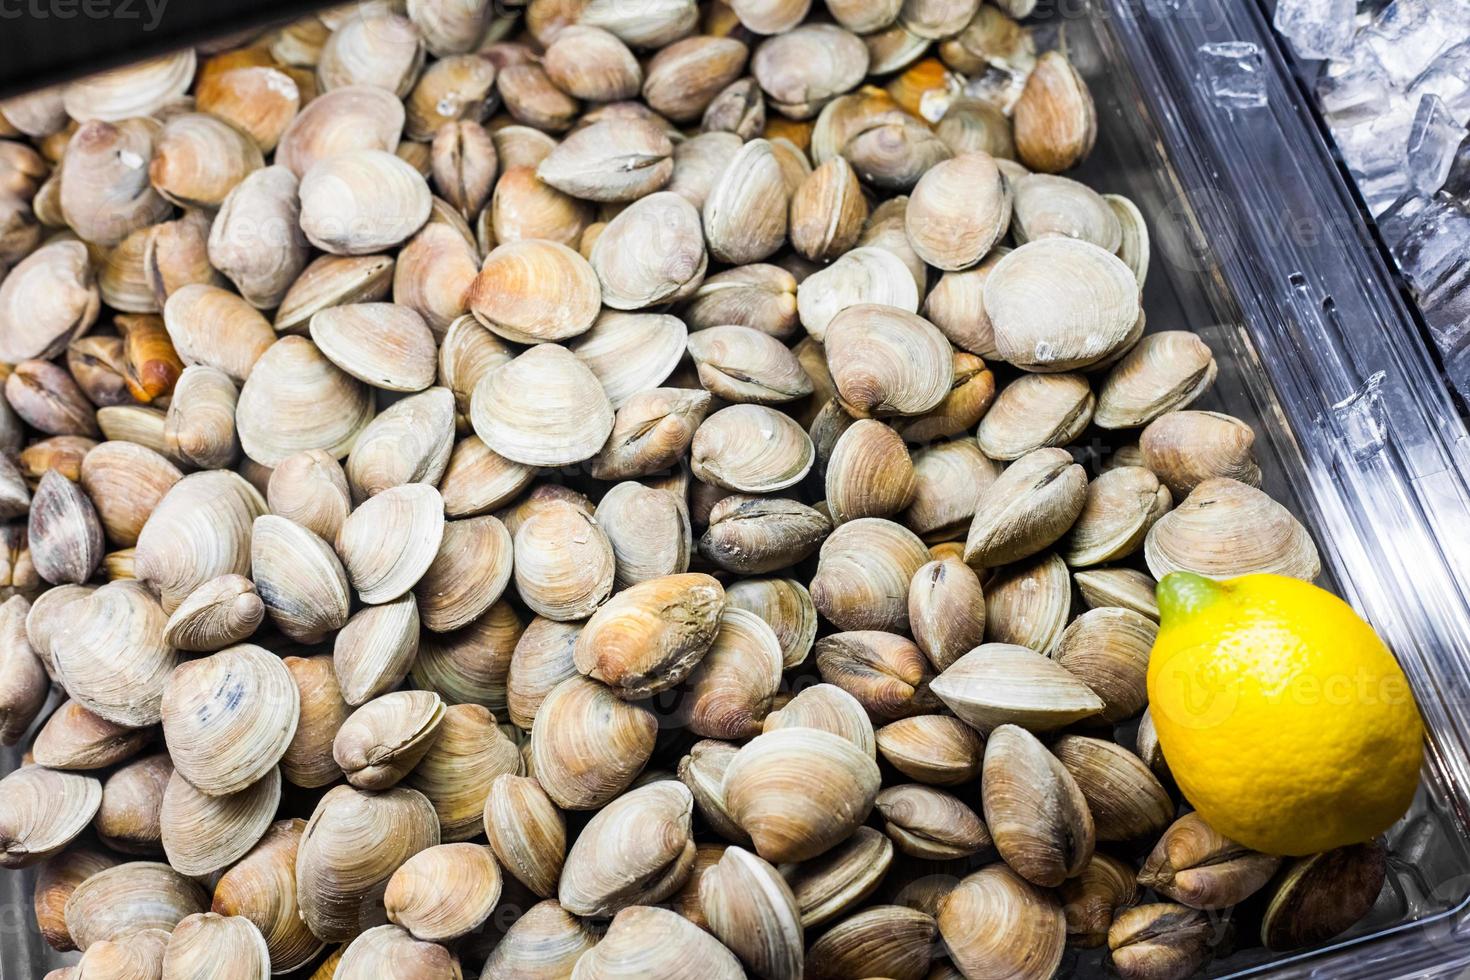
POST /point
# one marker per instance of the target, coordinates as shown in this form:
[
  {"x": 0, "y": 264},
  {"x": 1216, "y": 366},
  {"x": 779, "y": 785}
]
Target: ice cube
[
  {"x": 1409, "y": 35},
  {"x": 1362, "y": 419},
  {"x": 1435, "y": 245},
  {"x": 1317, "y": 28},
  {"x": 1233, "y": 73},
  {"x": 1458, "y": 181},
  {"x": 1360, "y": 88},
  {"x": 1449, "y": 78},
  {"x": 1433, "y": 141},
  {"x": 1394, "y": 223}
]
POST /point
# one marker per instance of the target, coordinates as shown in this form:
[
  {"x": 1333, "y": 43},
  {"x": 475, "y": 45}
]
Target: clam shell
[
  {"x": 198, "y": 159},
  {"x": 261, "y": 888},
  {"x": 128, "y": 898},
  {"x": 43, "y": 810},
  {"x": 682, "y": 79},
  {"x": 310, "y": 489},
  {"x": 108, "y": 652},
  {"x": 1028, "y": 604},
  {"x": 886, "y": 673},
  {"x": 863, "y": 575},
  {"x": 44, "y": 395},
  {"x": 654, "y": 26},
  {"x": 408, "y": 442},
  {"x": 1047, "y": 206},
  {"x": 1033, "y": 412},
  {"x": 829, "y": 708},
  {"x": 949, "y": 478},
  {"x": 1122, "y": 504},
  {"x": 260, "y": 101},
  {"x": 636, "y": 850},
  {"x": 524, "y": 207},
  {"x": 651, "y": 432},
  {"x": 300, "y": 580},
  {"x": 351, "y": 847},
  {"x": 651, "y": 253},
  {"x": 703, "y": 771},
  {"x": 49, "y": 298},
  {"x": 995, "y": 923},
  {"x": 362, "y": 201},
  {"x": 455, "y": 774},
  {"x": 546, "y": 941},
  {"x": 444, "y": 892},
  {"x": 1034, "y": 809},
  {"x": 471, "y": 664},
  {"x": 467, "y": 353},
  {"x": 759, "y": 296},
  {"x": 534, "y": 291},
  {"x": 610, "y": 161},
  {"x": 946, "y": 611},
  {"x": 56, "y": 879},
  {"x": 1090, "y": 296},
  {"x": 1163, "y": 372},
  {"x": 64, "y": 531},
  {"x": 844, "y": 876},
  {"x": 648, "y": 530},
  {"x": 1104, "y": 889},
  {"x": 1186, "y": 448},
  {"x": 564, "y": 563},
  {"x": 383, "y": 344},
  {"x": 75, "y": 738},
  {"x": 433, "y": 276},
  {"x": 731, "y": 689},
  {"x": 787, "y": 608},
  {"x": 199, "y": 427},
  {"x": 751, "y": 535},
  {"x": 745, "y": 214},
  {"x": 650, "y": 636},
  {"x": 543, "y": 657},
  {"x": 389, "y": 542},
  {"x": 742, "y": 364},
  {"x": 308, "y": 759},
  {"x": 1125, "y": 587},
  {"x": 799, "y": 791},
  {"x": 891, "y": 939},
  {"x": 631, "y": 352},
  {"x": 887, "y": 362},
  {"x": 591, "y": 63},
  {"x": 545, "y": 408},
  {"x": 802, "y": 69},
  {"x": 24, "y": 684},
  {"x": 1055, "y": 120},
  {"x": 374, "y": 47},
  {"x": 200, "y": 943},
  {"x": 751, "y": 449},
  {"x": 389, "y": 950},
  {"x": 1027, "y": 509},
  {"x": 526, "y": 831},
  {"x": 958, "y": 211},
  {"x": 374, "y": 651},
  {"x": 1108, "y": 649},
  {"x": 109, "y": 195},
  {"x": 651, "y": 941},
  {"x": 283, "y": 406},
  {"x": 530, "y": 97},
  {"x": 590, "y": 744},
  {"x": 1224, "y": 529},
  {"x": 828, "y": 211},
  {"x": 1126, "y": 801},
  {"x": 139, "y": 89},
  {"x": 126, "y": 481},
  {"x": 385, "y": 738},
  {"x": 331, "y": 280},
  {"x": 228, "y": 717},
  {"x": 213, "y": 327},
  {"x": 470, "y": 571},
  {"x": 175, "y": 254},
  {"x": 203, "y": 834},
  {"x": 750, "y": 908},
  {"x": 1001, "y": 683},
  {"x": 936, "y": 749},
  {"x": 1160, "y": 937}
]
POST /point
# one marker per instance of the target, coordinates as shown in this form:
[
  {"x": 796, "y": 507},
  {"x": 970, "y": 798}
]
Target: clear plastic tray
[{"x": 1259, "y": 247}]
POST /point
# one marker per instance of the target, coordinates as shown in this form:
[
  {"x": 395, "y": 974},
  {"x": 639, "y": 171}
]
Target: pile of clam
[{"x": 584, "y": 490}]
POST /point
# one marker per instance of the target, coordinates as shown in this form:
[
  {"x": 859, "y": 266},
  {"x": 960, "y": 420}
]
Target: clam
[
  {"x": 122, "y": 279},
  {"x": 1034, "y": 810},
  {"x": 374, "y": 47},
  {"x": 351, "y": 847},
  {"x": 96, "y": 365},
  {"x": 751, "y": 449},
  {"x": 700, "y": 161},
  {"x": 542, "y": 658},
  {"x": 64, "y": 532},
  {"x": 524, "y": 207},
  {"x": 887, "y": 361},
  {"x": 703, "y": 771},
  {"x": 731, "y": 689},
  {"x": 282, "y": 405},
  {"x": 1108, "y": 649},
  {"x": 1090, "y": 296},
  {"x": 449, "y": 99},
  {"x": 970, "y": 396},
  {"x": 869, "y": 473},
  {"x": 564, "y": 563},
  {"x": 228, "y": 717},
  {"x": 408, "y": 442},
  {"x": 128, "y": 898},
  {"x": 1163, "y": 372},
  {"x": 1029, "y": 604},
  {"x": 593, "y": 64},
  {"x": 331, "y": 280},
  {"x": 45, "y": 619},
  {"x": 526, "y": 831},
  {"x": 1199, "y": 867},
  {"x": 787, "y": 608},
  {"x": 1160, "y": 940},
  {"x": 49, "y": 298},
  {"x": 258, "y": 100},
  {"x": 545, "y": 942},
  {"x": 828, "y": 211},
  {"x": 535, "y": 291},
  {"x": 1092, "y": 900},
  {"x": 530, "y": 97},
  {"x": 829, "y": 884},
  {"x": 610, "y": 161},
  {"x": 385, "y": 738},
  {"x": 949, "y": 478},
  {"x": 742, "y": 364},
  {"x": 216, "y": 328},
  {"x": 631, "y": 352},
  {"x": 108, "y": 651},
  {"x": 650, "y": 636},
  {"x": 759, "y": 296},
  {"x": 44, "y": 396},
  {"x": 75, "y": 738},
  {"x": 1122, "y": 504},
  {"x": 56, "y": 879},
  {"x": 648, "y": 530},
  {"x": 200, "y": 425},
  {"x": 1225, "y": 528},
  {"x": 545, "y": 408},
  {"x": 946, "y": 611},
  {"x": 651, "y": 253},
  {"x": 830, "y": 708},
  {"x": 1126, "y": 800},
  {"x": 1124, "y": 587},
  {"x": 891, "y": 940},
  {"x": 930, "y": 824},
  {"x": 456, "y": 773},
  {"x": 590, "y": 743},
  {"x": 38, "y": 113},
  {"x": 362, "y": 201},
  {"x": 450, "y": 28},
  {"x": 864, "y": 275},
  {"x": 375, "y": 649},
  {"x": 310, "y": 489},
  {"x": 892, "y": 150},
  {"x": 885, "y": 232},
  {"x": 42, "y": 812},
  {"x": 1036, "y": 411},
  {"x": 799, "y": 791},
  {"x": 650, "y": 941},
  {"x": 198, "y": 159},
  {"x": 467, "y": 353},
  {"x": 1055, "y": 120},
  {"x": 1187, "y": 447},
  {"x": 444, "y": 892},
  {"x": 468, "y": 574},
  {"x": 382, "y": 344},
  {"x": 471, "y": 664},
  {"x": 175, "y": 254},
  {"x": 308, "y": 760},
  {"x": 750, "y": 908},
  {"x": 683, "y": 78},
  {"x": 751, "y": 535},
  {"x": 1324, "y": 894},
  {"x": 203, "y": 942},
  {"x": 933, "y": 749},
  {"x": 1028, "y": 508},
  {"x": 61, "y": 453},
  {"x": 971, "y": 125},
  {"x": 995, "y": 923},
  {"x": 863, "y": 573},
  {"x": 1048, "y": 206},
  {"x": 140, "y": 956},
  {"x": 390, "y": 540},
  {"x": 951, "y": 235},
  {"x": 886, "y": 673},
  {"x": 739, "y": 109},
  {"x": 261, "y": 889},
  {"x": 745, "y": 212},
  {"x": 1001, "y": 683},
  {"x": 636, "y": 850},
  {"x": 109, "y": 195},
  {"x": 24, "y": 684},
  {"x": 203, "y": 834},
  {"x": 802, "y": 69},
  {"x": 433, "y": 276},
  {"x": 655, "y": 25},
  {"x": 301, "y": 581}
]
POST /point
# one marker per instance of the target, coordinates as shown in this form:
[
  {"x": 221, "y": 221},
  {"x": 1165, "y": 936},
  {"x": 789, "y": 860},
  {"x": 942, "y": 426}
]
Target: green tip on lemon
[{"x": 1182, "y": 594}]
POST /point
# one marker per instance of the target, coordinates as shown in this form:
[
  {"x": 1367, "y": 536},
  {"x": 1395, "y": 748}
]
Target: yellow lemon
[{"x": 1283, "y": 717}]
